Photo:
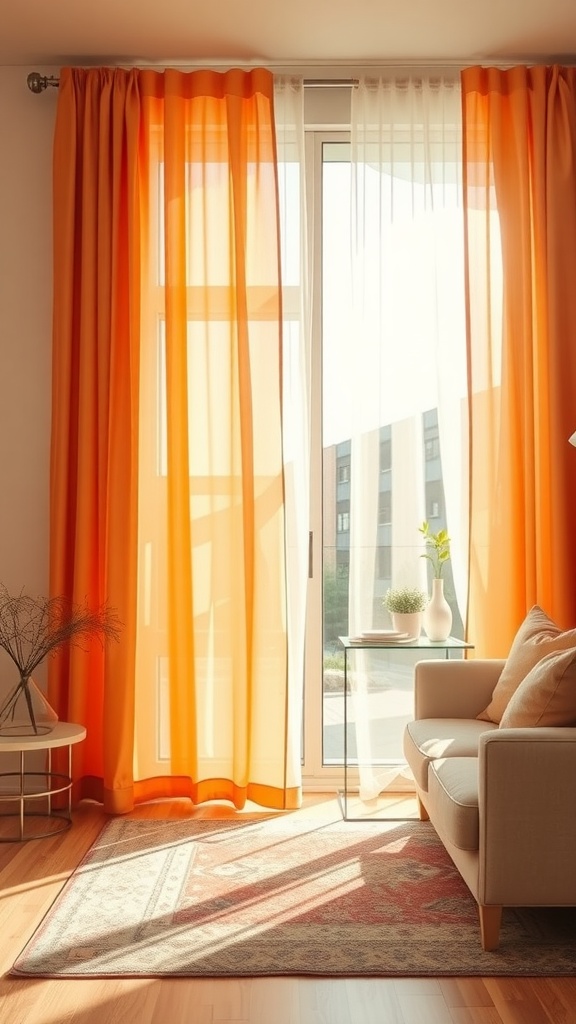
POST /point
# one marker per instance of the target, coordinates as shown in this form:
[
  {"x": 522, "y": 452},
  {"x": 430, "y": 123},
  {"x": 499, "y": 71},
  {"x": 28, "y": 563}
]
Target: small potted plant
[{"x": 406, "y": 605}]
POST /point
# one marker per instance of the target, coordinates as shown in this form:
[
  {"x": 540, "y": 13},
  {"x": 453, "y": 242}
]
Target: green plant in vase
[
  {"x": 438, "y": 614},
  {"x": 438, "y": 548},
  {"x": 31, "y": 629}
]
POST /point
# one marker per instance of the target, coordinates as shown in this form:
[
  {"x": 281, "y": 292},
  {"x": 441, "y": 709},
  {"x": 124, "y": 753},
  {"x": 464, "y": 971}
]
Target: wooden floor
[{"x": 32, "y": 873}]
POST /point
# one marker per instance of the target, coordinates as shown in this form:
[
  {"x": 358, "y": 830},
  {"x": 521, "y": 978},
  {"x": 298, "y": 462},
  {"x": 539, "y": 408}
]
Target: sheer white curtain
[
  {"x": 289, "y": 119},
  {"x": 406, "y": 362}
]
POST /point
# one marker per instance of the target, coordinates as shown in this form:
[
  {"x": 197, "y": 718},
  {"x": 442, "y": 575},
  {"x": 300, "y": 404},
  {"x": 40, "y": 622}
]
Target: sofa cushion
[
  {"x": 428, "y": 738},
  {"x": 453, "y": 800},
  {"x": 547, "y": 696},
  {"x": 537, "y": 636}
]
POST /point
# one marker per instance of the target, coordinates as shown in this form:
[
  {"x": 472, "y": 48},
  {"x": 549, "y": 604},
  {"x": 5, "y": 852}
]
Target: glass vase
[{"x": 26, "y": 712}]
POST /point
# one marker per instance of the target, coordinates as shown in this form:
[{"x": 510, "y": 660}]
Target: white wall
[{"x": 26, "y": 132}]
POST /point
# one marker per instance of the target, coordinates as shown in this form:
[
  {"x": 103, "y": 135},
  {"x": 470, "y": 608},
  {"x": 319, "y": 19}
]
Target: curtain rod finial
[
  {"x": 38, "y": 83},
  {"x": 35, "y": 83}
]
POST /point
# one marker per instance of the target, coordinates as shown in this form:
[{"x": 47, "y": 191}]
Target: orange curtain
[
  {"x": 167, "y": 472},
  {"x": 94, "y": 453},
  {"x": 519, "y": 129}
]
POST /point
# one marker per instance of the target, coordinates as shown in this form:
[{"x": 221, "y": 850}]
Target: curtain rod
[{"x": 37, "y": 83}]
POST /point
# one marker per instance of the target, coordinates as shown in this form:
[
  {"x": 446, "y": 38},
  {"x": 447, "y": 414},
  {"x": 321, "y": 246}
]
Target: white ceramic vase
[
  {"x": 437, "y": 614},
  {"x": 408, "y": 622}
]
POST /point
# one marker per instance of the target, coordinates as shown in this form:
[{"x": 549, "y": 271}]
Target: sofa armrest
[
  {"x": 527, "y": 812},
  {"x": 454, "y": 689}
]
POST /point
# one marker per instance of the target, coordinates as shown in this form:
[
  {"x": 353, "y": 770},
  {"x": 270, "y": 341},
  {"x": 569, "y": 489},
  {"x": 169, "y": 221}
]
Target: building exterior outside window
[{"x": 338, "y": 474}]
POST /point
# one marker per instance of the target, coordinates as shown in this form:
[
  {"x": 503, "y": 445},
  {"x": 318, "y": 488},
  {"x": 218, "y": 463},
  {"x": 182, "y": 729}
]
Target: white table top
[{"x": 62, "y": 735}]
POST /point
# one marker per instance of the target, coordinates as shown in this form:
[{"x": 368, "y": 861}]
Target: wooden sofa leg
[
  {"x": 422, "y": 812},
  {"x": 490, "y": 920}
]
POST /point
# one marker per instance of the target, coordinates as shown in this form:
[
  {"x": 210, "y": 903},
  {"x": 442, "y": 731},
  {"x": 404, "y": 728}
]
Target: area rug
[{"x": 281, "y": 895}]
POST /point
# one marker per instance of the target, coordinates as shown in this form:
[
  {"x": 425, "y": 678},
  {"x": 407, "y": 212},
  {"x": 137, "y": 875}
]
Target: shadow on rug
[{"x": 281, "y": 895}]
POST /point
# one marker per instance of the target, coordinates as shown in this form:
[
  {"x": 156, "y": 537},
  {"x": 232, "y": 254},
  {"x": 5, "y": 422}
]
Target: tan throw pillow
[
  {"x": 547, "y": 696},
  {"x": 537, "y": 637}
]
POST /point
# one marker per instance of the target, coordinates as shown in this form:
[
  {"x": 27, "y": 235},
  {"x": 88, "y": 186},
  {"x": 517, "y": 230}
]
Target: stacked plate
[{"x": 381, "y": 636}]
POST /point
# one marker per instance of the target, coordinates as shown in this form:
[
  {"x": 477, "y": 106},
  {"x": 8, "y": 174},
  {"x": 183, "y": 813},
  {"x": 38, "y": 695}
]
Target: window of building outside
[
  {"x": 385, "y": 455},
  {"x": 343, "y": 521},
  {"x": 385, "y": 511},
  {"x": 431, "y": 448}
]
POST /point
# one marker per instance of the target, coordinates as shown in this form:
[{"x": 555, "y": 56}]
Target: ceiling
[{"x": 302, "y": 33}]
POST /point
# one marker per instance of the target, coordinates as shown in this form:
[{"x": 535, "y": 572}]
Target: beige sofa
[{"x": 502, "y": 800}]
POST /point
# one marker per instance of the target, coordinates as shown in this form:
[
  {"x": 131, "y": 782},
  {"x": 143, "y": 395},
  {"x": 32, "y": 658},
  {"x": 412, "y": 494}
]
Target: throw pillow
[
  {"x": 537, "y": 636},
  {"x": 547, "y": 696}
]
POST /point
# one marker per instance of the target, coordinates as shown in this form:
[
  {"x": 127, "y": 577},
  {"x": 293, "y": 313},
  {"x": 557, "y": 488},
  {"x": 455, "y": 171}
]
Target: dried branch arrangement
[{"x": 32, "y": 628}]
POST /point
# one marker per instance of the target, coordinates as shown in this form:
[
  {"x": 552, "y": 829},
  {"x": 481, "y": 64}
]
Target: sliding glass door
[{"x": 378, "y": 454}]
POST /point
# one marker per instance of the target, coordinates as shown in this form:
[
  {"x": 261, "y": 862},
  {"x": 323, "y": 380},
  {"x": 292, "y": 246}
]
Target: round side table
[{"x": 64, "y": 734}]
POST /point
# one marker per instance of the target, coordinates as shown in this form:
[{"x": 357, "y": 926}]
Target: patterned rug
[{"x": 280, "y": 895}]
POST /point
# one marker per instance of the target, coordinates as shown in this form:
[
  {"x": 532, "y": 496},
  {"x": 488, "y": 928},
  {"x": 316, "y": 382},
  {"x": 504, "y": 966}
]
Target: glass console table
[{"x": 420, "y": 649}]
